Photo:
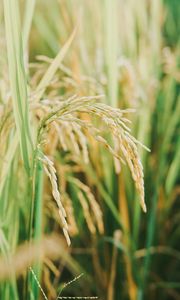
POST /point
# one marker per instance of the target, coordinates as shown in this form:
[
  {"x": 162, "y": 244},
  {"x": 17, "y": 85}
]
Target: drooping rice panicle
[
  {"x": 67, "y": 114},
  {"x": 51, "y": 173}
]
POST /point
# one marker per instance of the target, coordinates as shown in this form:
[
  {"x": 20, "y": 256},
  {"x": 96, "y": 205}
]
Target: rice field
[{"x": 89, "y": 149}]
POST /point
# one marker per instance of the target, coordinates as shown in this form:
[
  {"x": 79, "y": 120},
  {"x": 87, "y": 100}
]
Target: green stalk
[
  {"x": 35, "y": 228},
  {"x": 111, "y": 52},
  {"x": 173, "y": 170},
  {"x": 150, "y": 236},
  {"x": 29, "y": 10},
  {"x": 18, "y": 80},
  {"x": 111, "y": 48},
  {"x": 38, "y": 224}
]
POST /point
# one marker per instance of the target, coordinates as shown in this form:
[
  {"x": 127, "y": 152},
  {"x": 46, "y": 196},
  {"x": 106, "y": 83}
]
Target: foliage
[{"x": 85, "y": 86}]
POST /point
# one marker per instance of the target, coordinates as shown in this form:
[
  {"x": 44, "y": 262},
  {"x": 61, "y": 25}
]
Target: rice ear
[
  {"x": 51, "y": 173},
  {"x": 125, "y": 145}
]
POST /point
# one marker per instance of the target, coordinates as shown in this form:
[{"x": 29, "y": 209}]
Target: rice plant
[{"x": 89, "y": 135}]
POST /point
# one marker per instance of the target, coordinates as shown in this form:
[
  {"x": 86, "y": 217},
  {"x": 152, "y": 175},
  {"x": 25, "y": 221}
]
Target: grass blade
[{"x": 18, "y": 78}]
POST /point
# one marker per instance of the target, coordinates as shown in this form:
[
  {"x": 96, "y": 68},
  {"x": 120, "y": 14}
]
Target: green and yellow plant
[{"x": 76, "y": 77}]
